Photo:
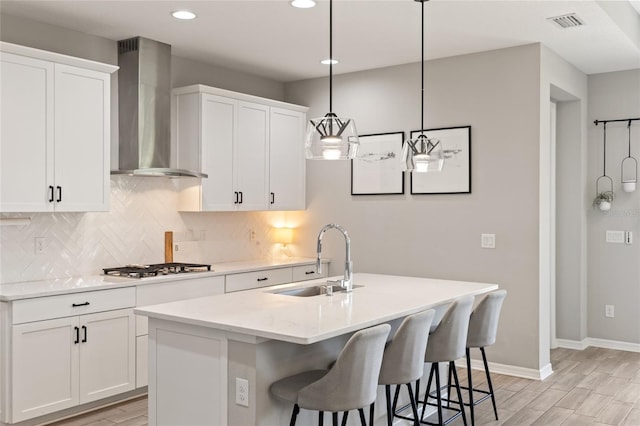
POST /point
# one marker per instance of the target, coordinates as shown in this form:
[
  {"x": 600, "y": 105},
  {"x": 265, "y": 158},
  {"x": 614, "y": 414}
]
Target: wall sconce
[{"x": 283, "y": 236}]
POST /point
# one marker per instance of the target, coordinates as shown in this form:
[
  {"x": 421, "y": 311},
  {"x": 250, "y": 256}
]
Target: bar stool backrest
[
  {"x": 448, "y": 341},
  {"x": 403, "y": 360},
  {"x": 483, "y": 323},
  {"x": 352, "y": 382}
]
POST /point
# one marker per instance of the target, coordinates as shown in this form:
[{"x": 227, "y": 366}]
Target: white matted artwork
[
  {"x": 377, "y": 169},
  {"x": 455, "y": 177}
]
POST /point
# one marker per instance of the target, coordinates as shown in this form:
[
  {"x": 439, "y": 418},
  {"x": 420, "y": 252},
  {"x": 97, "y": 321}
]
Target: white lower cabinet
[
  {"x": 171, "y": 291},
  {"x": 58, "y": 360},
  {"x": 45, "y": 367}
]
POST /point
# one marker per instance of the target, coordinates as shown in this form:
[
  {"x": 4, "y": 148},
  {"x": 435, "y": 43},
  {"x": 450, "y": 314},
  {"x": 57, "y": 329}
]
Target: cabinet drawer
[
  {"x": 249, "y": 280},
  {"x": 308, "y": 272},
  {"x": 65, "y": 305}
]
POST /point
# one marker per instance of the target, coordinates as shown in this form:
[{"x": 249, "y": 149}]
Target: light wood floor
[{"x": 591, "y": 387}]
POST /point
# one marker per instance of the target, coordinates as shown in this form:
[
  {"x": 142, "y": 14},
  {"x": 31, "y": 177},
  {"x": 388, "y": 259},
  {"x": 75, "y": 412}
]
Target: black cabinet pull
[
  {"x": 262, "y": 279},
  {"x": 235, "y": 193},
  {"x": 273, "y": 198},
  {"x": 310, "y": 272},
  {"x": 51, "y": 197},
  {"x": 75, "y": 305},
  {"x": 77, "y": 330},
  {"x": 240, "y": 197},
  {"x": 59, "y": 194},
  {"x": 84, "y": 330}
]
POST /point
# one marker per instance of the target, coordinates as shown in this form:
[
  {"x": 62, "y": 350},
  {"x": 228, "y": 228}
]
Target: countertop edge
[
  {"x": 103, "y": 282},
  {"x": 155, "y": 312}
]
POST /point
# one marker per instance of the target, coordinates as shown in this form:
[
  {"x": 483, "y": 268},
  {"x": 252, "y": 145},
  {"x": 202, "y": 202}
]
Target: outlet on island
[{"x": 242, "y": 392}]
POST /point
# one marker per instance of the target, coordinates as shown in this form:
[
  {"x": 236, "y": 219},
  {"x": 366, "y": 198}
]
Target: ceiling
[{"x": 272, "y": 39}]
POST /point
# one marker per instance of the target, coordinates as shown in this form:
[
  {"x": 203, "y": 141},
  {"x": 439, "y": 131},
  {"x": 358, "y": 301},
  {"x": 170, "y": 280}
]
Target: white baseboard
[
  {"x": 509, "y": 370},
  {"x": 579, "y": 345},
  {"x": 598, "y": 343}
]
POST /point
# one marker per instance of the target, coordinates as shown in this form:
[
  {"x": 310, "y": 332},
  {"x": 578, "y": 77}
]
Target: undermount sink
[{"x": 310, "y": 291}]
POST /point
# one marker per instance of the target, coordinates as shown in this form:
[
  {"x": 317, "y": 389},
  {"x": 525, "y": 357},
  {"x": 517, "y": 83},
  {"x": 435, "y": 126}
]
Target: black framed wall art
[
  {"x": 377, "y": 169},
  {"x": 455, "y": 176}
]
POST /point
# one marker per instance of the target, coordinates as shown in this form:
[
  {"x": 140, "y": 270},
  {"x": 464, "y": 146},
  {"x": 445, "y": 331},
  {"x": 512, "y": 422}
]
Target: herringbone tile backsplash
[{"x": 142, "y": 209}]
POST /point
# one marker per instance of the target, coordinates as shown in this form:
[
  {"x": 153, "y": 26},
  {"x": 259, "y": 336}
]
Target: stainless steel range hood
[{"x": 144, "y": 91}]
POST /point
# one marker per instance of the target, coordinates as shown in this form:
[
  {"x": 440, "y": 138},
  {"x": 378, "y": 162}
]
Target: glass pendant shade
[
  {"x": 422, "y": 155},
  {"x": 331, "y": 138}
]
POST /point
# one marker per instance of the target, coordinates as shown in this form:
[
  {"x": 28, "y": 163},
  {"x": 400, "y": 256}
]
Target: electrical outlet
[
  {"x": 242, "y": 392},
  {"x": 39, "y": 245},
  {"x": 252, "y": 235},
  {"x": 609, "y": 311}
]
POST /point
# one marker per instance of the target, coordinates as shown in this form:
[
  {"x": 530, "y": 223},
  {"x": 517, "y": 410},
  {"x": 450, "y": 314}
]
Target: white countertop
[
  {"x": 29, "y": 289},
  {"x": 308, "y": 320}
]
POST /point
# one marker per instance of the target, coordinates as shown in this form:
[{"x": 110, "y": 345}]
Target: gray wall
[
  {"x": 562, "y": 217},
  {"x": 497, "y": 93},
  {"x": 614, "y": 269}
]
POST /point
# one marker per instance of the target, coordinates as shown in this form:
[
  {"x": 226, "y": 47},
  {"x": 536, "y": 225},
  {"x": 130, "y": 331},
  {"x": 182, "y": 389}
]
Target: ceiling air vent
[{"x": 567, "y": 21}]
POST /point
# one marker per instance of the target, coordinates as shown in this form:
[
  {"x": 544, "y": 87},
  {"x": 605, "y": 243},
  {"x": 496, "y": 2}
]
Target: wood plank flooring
[{"x": 590, "y": 387}]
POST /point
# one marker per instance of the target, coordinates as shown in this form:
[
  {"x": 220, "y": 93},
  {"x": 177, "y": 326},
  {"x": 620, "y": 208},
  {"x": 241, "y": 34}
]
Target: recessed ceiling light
[
  {"x": 183, "y": 14},
  {"x": 329, "y": 61},
  {"x": 303, "y": 4}
]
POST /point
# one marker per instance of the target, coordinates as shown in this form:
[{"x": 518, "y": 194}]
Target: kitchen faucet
[{"x": 347, "y": 282}]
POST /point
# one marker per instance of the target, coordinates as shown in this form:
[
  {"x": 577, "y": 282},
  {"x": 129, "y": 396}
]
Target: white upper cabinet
[
  {"x": 55, "y": 124},
  {"x": 26, "y": 139},
  {"x": 286, "y": 160},
  {"x": 251, "y": 156},
  {"x": 251, "y": 148}
]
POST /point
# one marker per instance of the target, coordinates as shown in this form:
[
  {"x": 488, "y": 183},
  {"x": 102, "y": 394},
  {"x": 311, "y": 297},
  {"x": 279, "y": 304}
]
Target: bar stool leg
[
  {"x": 335, "y": 418},
  {"x": 438, "y": 394},
  {"x": 452, "y": 367},
  {"x": 344, "y": 418},
  {"x": 372, "y": 408},
  {"x": 387, "y": 389},
  {"x": 414, "y": 407},
  {"x": 426, "y": 392},
  {"x": 486, "y": 369},
  {"x": 321, "y": 418},
  {"x": 294, "y": 414},
  {"x": 470, "y": 384},
  {"x": 363, "y": 420}
]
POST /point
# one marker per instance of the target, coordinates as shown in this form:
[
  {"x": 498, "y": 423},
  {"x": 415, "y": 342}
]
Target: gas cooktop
[{"x": 142, "y": 271}]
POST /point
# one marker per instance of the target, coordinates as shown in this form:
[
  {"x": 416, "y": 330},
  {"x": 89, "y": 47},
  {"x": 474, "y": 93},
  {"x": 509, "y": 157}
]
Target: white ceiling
[{"x": 273, "y": 39}]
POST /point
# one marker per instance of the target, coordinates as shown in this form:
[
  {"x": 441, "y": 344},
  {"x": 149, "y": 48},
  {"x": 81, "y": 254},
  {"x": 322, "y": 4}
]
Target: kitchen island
[{"x": 199, "y": 348}]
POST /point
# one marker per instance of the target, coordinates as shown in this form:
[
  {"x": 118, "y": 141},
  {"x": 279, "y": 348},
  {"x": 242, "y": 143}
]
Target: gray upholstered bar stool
[
  {"x": 483, "y": 327},
  {"x": 403, "y": 360},
  {"x": 350, "y": 384},
  {"x": 446, "y": 344}
]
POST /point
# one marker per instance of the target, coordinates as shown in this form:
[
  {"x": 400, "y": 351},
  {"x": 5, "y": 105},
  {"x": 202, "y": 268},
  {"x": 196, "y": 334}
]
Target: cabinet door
[
  {"x": 44, "y": 367},
  {"x": 287, "y": 164},
  {"x": 82, "y": 141},
  {"x": 251, "y": 156},
  {"x": 219, "y": 115},
  {"x": 107, "y": 354},
  {"x": 26, "y": 134}
]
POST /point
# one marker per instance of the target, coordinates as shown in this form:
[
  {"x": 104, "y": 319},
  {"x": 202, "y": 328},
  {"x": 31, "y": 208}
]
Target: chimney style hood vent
[{"x": 144, "y": 91}]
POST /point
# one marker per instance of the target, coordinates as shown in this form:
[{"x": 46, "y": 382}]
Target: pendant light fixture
[
  {"x": 331, "y": 137},
  {"x": 604, "y": 196},
  {"x": 630, "y": 178},
  {"x": 422, "y": 154}
]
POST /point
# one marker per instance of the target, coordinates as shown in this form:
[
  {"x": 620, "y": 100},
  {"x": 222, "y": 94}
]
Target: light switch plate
[{"x": 488, "y": 241}]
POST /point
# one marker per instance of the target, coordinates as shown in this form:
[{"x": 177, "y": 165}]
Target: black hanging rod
[{"x": 596, "y": 122}]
